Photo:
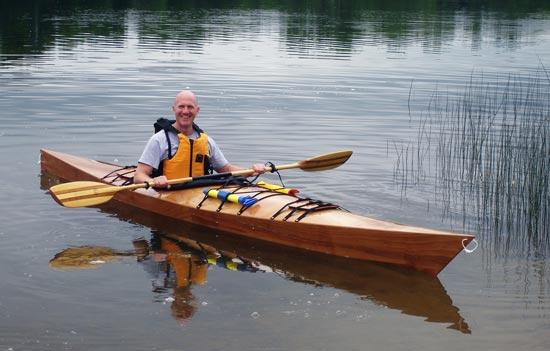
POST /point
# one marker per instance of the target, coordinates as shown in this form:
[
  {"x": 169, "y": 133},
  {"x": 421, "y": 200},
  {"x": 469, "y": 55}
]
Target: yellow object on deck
[{"x": 277, "y": 188}]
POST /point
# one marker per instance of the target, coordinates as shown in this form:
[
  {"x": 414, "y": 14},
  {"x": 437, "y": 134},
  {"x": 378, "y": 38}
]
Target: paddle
[
  {"x": 86, "y": 257},
  {"x": 87, "y": 193}
]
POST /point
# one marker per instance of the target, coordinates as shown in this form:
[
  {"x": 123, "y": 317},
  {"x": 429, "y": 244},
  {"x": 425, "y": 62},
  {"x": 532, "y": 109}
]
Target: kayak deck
[{"x": 278, "y": 218}]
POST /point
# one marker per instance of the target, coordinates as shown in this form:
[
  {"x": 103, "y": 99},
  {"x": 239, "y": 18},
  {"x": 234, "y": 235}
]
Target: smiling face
[{"x": 185, "y": 110}]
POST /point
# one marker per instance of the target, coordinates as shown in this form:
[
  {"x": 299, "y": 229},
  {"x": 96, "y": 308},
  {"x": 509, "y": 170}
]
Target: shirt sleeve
[
  {"x": 217, "y": 159},
  {"x": 152, "y": 153}
]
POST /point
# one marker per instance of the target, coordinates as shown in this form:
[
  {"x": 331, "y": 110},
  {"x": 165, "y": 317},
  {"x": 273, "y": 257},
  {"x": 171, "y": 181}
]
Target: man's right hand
[{"x": 160, "y": 182}]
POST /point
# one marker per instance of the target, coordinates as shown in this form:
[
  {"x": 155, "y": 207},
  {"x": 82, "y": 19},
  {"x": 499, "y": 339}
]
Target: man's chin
[
  {"x": 184, "y": 120},
  {"x": 185, "y": 125}
]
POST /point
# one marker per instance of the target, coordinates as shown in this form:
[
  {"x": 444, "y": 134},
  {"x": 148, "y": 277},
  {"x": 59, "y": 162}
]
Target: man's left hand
[{"x": 259, "y": 169}]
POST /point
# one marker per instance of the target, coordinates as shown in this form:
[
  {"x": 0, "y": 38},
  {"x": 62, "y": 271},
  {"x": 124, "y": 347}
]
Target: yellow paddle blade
[
  {"x": 83, "y": 193},
  {"x": 83, "y": 257},
  {"x": 325, "y": 161}
]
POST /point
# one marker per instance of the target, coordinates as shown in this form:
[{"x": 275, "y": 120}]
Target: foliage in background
[{"x": 33, "y": 27}]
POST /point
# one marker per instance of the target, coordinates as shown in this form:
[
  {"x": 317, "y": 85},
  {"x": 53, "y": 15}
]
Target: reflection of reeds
[{"x": 491, "y": 151}]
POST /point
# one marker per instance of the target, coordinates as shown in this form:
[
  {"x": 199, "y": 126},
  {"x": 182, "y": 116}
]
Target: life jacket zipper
[{"x": 191, "y": 157}]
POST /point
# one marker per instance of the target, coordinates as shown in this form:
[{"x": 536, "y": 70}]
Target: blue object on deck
[{"x": 245, "y": 200}]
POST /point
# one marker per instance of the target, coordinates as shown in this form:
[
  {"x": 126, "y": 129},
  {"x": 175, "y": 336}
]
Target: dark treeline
[
  {"x": 511, "y": 7},
  {"x": 30, "y": 27}
]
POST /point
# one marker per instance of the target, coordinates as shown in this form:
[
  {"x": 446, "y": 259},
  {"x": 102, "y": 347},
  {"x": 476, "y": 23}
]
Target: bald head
[{"x": 186, "y": 95}]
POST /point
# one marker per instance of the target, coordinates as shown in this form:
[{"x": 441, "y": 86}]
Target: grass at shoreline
[{"x": 486, "y": 151}]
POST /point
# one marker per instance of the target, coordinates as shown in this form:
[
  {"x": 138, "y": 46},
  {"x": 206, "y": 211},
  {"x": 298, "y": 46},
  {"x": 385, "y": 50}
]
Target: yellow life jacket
[{"x": 190, "y": 158}]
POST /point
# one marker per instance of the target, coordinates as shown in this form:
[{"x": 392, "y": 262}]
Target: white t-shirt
[{"x": 156, "y": 150}]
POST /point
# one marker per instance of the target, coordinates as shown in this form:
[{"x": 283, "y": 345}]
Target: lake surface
[{"x": 276, "y": 82}]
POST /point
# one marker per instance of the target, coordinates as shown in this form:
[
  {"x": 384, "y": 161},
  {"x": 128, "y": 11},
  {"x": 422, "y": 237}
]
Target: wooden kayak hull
[{"x": 334, "y": 232}]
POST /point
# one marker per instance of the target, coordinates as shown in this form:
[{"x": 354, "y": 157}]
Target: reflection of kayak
[
  {"x": 412, "y": 293},
  {"x": 278, "y": 218}
]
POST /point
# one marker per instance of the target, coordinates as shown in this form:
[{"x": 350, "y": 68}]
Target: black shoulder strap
[
  {"x": 165, "y": 124},
  {"x": 197, "y": 129}
]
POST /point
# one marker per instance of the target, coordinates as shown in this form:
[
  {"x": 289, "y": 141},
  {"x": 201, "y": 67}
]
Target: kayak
[{"x": 278, "y": 217}]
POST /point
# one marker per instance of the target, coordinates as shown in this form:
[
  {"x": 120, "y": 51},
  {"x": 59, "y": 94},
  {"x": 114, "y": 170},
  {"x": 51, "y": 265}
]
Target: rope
[
  {"x": 117, "y": 176},
  {"x": 470, "y": 250},
  {"x": 274, "y": 170}
]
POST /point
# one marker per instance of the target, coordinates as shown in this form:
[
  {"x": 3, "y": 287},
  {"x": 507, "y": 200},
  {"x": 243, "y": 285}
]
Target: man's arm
[
  {"x": 152, "y": 155},
  {"x": 220, "y": 163},
  {"x": 228, "y": 168},
  {"x": 143, "y": 175},
  {"x": 258, "y": 168}
]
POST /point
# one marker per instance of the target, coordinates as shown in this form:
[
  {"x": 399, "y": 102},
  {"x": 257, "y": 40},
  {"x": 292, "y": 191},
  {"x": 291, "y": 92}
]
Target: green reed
[{"x": 486, "y": 150}]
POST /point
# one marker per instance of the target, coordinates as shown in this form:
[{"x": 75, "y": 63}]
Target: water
[{"x": 276, "y": 83}]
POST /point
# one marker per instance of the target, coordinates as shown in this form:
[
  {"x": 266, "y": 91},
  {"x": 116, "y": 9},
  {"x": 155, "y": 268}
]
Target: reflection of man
[
  {"x": 189, "y": 260},
  {"x": 189, "y": 270},
  {"x": 166, "y": 256}
]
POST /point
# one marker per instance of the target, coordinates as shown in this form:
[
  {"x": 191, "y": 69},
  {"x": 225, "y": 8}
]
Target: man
[{"x": 182, "y": 149}]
